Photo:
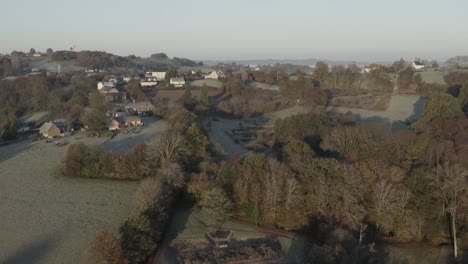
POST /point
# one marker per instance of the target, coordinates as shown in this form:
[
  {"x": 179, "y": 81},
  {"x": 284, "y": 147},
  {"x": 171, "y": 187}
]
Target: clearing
[
  {"x": 209, "y": 83},
  {"x": 402, "y": 110},
  {"x": 240, "y": 135},
  {"x": 187, "y": 233}
]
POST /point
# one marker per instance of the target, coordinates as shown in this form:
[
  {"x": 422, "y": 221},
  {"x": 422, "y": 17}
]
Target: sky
[{"x": 357, "y": 30}]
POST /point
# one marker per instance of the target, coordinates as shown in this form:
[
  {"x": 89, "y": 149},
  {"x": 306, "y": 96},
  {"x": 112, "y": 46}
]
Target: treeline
[
  {"x": 11, "y": 65},
  {"x": 92, "y": 59},
  {"x": 64, "y": 95},
  {"x": 244, "y": 101}
]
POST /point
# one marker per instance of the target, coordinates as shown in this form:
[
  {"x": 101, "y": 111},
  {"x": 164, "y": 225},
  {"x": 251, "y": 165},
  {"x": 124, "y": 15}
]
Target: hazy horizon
[{"x": 212, "y": 30}]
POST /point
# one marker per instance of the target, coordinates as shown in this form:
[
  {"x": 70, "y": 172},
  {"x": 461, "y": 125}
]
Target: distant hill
[{"x": 304, "y": 62}]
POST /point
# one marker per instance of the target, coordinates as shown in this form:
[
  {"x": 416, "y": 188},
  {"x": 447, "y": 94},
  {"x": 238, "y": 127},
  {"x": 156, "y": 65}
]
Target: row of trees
[{"x": 92, "y": 59}]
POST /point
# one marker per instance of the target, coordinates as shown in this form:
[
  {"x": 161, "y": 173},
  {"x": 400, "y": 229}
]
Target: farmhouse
[
  {"x": 111, "y": 93},
  {"x": 417, "y": 65},
  {"x": 177, "y": 82},
  {"x": 140, "y": 108},
  {"x": 215, "y": 75},
  {"x": 50, "y": 130}
]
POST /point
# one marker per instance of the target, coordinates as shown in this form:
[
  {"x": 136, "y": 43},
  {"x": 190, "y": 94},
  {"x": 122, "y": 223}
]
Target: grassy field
[
  {"x": 47, "y": 218},
  {"x": 433, "y": 76},
  {"x": 136, "y": 135},
  {"x": 402, "y": 109},
  {"x": 47, "y": 64},
  {"x": 209, "y": 83}
]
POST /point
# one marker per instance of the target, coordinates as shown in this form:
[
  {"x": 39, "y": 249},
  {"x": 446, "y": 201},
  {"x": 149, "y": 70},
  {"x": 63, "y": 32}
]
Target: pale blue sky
[{"x": 358, "y": 30}]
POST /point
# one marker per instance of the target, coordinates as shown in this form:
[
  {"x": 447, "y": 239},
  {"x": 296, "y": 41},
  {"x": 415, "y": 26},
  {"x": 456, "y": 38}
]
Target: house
[
  {"x": 124, "y": 120},
  {"x": 177, "y": 82},
  {"x": 113, "y": 125},
  {"x": 109, "y": 90},
  {"x": 49, "y": 130},
  {"x": 129, "y": 78},
  {"x": 149, "y": 82},
  {"x": 159, "y": 75},
  {"x": 215, "y": 75},
  {"x": 131, "y": 121},
  {"x": 140, "y": 108},
  {"x": 366, "y": 70},
  {"x": 417, "y": 65}
]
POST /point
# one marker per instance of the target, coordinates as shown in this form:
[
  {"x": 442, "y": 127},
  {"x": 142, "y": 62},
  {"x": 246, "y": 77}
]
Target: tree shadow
[
  {"x": 35, "y": 251},
  {"x": 11, "y": 149},
  {"x": 180, "y": 217},
  {"x": 418, "y": 109},
  {"x": 329, "y": 242}
]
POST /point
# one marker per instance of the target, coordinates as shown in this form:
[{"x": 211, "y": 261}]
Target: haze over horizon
[{"x": 362, "y": 30}]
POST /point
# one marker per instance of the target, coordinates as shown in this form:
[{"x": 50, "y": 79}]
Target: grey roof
[
  {"x": 139, "y": 105},
  {"x": 131, "y": 118},
  {"x": 178, "y": 79}
]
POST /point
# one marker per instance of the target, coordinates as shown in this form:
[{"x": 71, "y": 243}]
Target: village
[
  {"x": 77, "y": 119},
  {"x": 126, "y": 112}
]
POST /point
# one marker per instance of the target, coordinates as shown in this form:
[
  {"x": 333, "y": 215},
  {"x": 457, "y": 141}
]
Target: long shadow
[
  {"x": 418, "y": 109},
  {"x": 166, "y": 253},
  {"x": 10, "y": 149},
  {"x": 35, "y": 251},
  {"x": 329, "y": 242}
]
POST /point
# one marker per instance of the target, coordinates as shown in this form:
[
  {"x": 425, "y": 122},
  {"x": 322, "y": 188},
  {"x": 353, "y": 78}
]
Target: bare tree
[
  {"x": 168, "y": 148},
  {"x": 389, "y": 201},
  {"x": 450, "y": 181},
  {"x": 172, "y": 174}
]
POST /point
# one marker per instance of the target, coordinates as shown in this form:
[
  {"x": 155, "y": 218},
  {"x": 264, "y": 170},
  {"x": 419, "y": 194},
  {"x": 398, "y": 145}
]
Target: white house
[
  {"x": 177, "y": 82},
  {"x": 149, "y": 81},
  {"x": 366, "y": 70},
  {"x": 159, "y": 75},
  {"x": 417, "y": 65},
  {"x": 214, "y": 75}
]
